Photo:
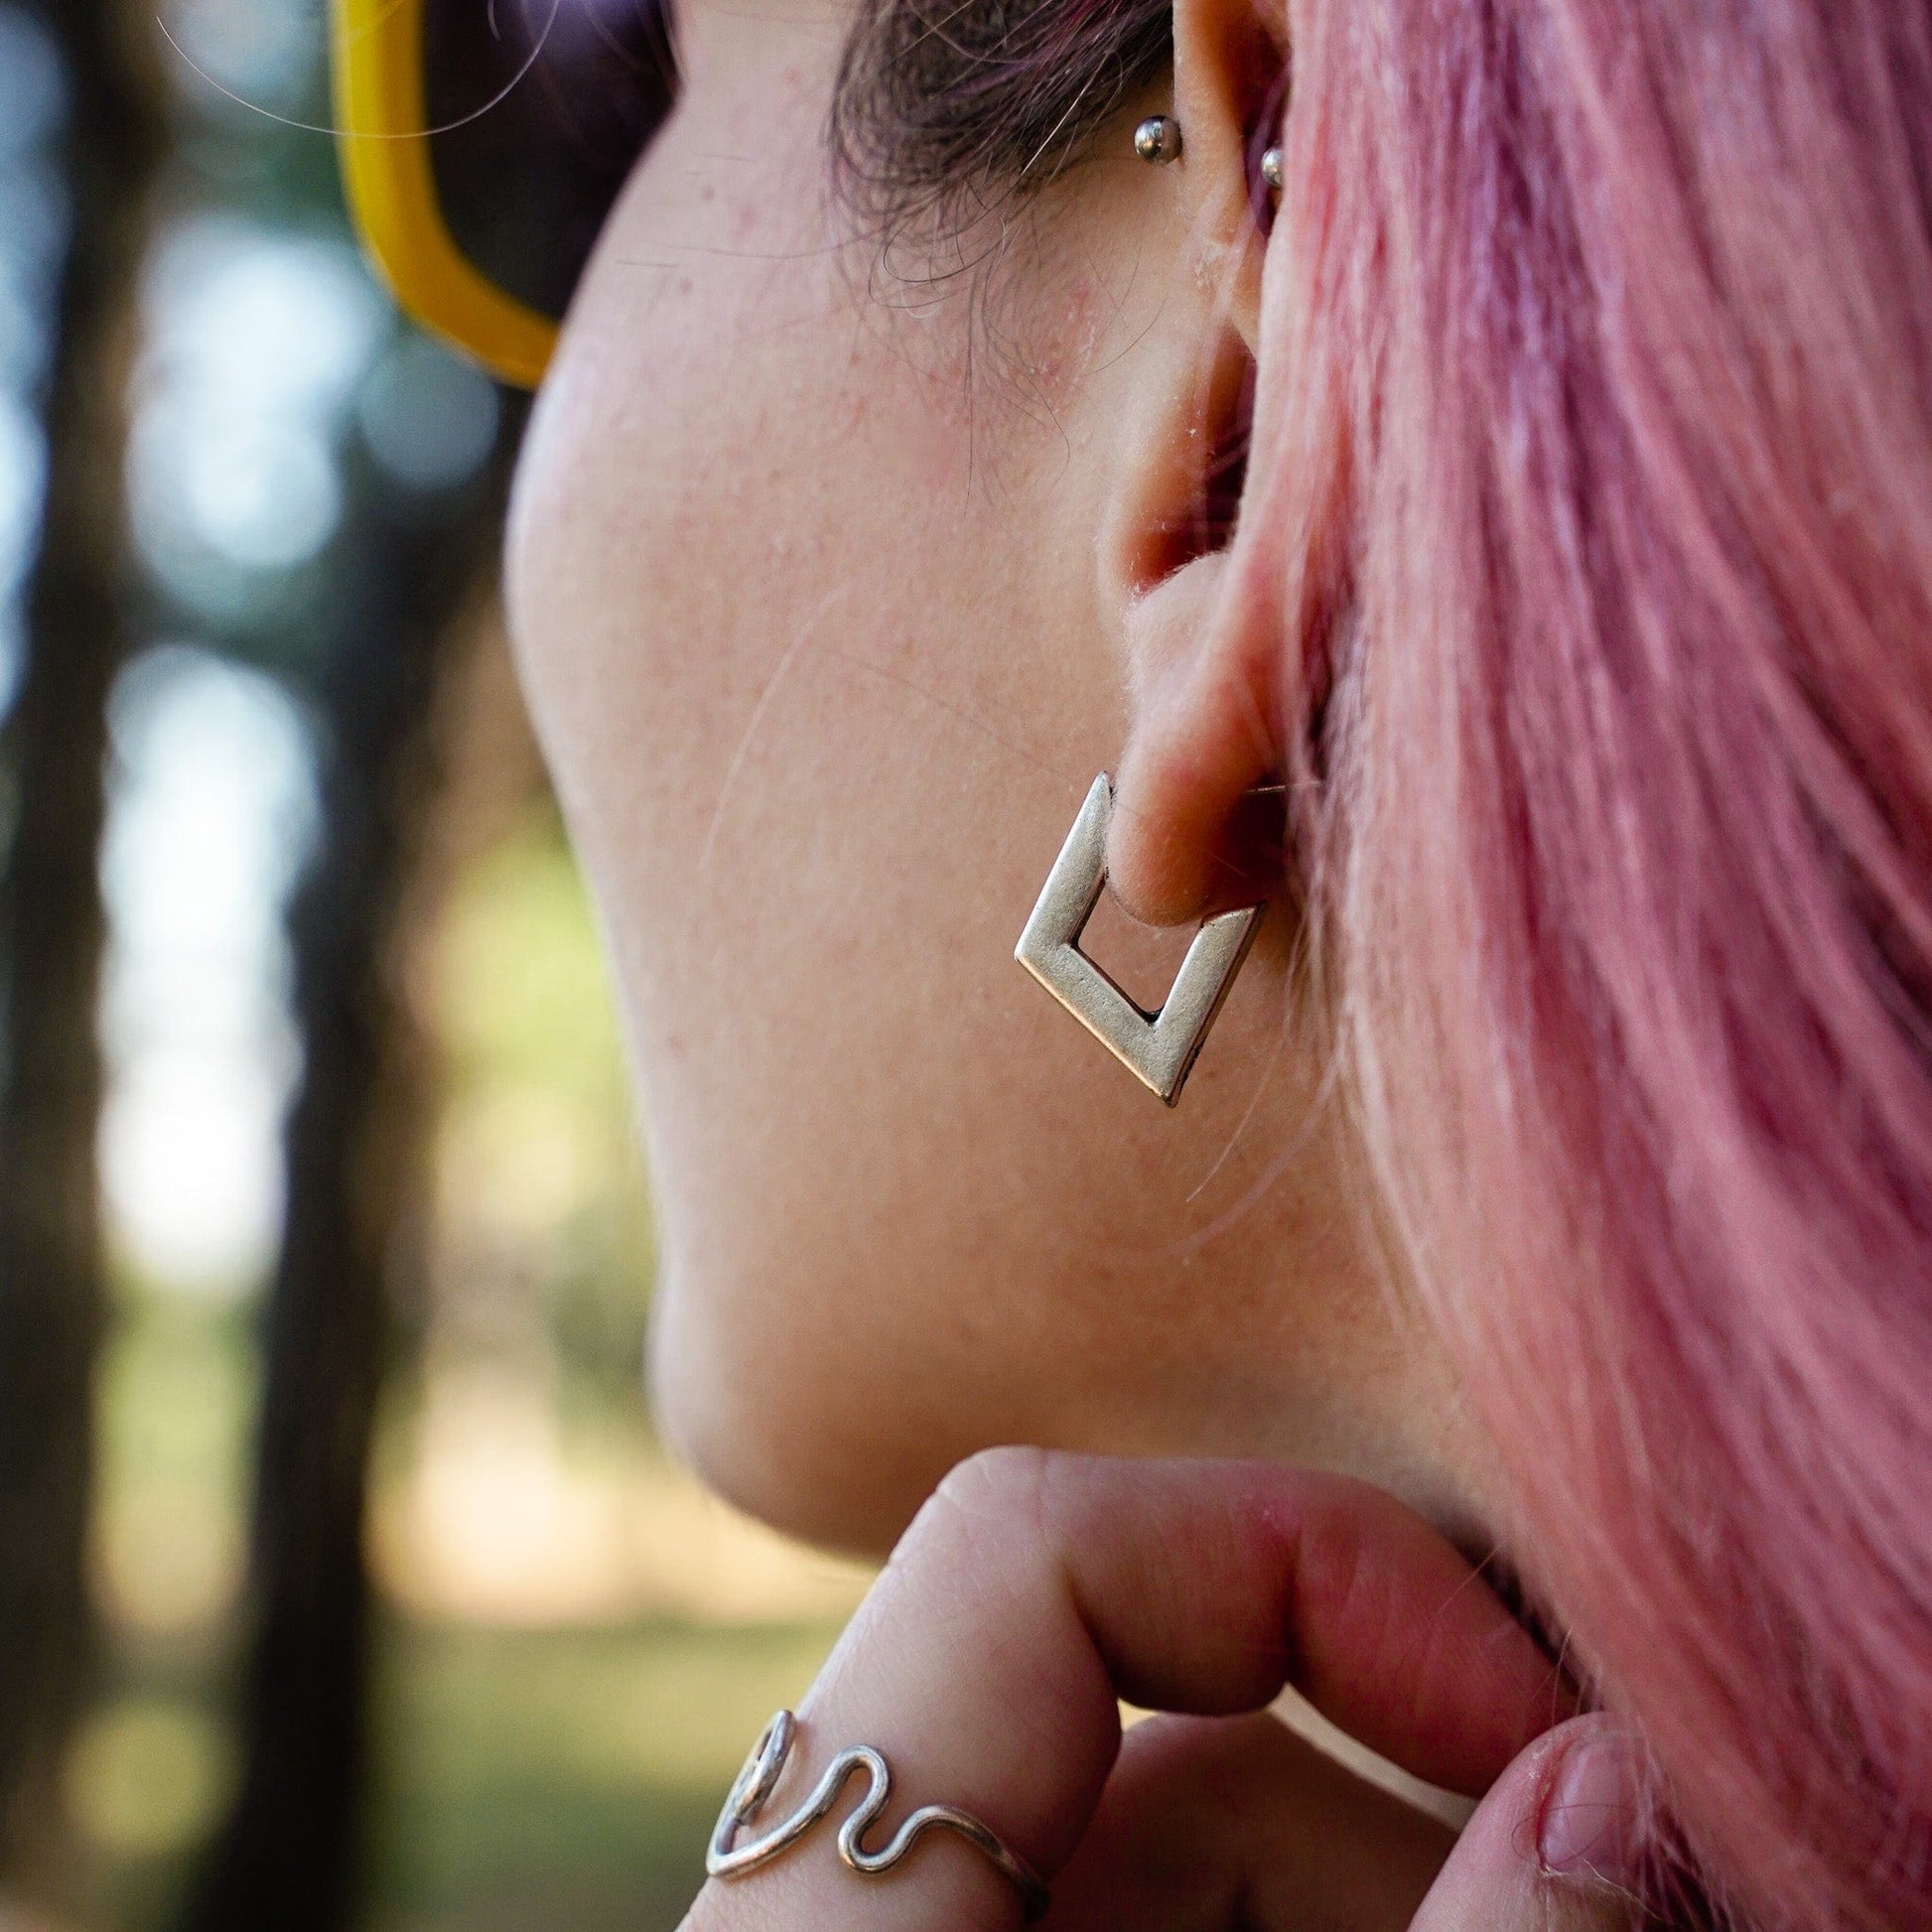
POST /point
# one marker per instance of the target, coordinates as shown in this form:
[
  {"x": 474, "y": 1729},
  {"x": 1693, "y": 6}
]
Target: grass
[
  {"x": 531, "y": 1780},
  {"x": 562, "y": 1779},
  {"x": 524, "y": 1780}
]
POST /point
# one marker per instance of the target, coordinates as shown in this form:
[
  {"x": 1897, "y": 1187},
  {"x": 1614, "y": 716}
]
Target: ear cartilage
[{"x": 1157, "y": 140}]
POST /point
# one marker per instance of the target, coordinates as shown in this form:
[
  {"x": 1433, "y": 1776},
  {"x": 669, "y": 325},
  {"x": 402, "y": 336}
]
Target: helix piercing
[
  {"x": 1157, "y": 140},
  {"x": 1271, "y": 169}
]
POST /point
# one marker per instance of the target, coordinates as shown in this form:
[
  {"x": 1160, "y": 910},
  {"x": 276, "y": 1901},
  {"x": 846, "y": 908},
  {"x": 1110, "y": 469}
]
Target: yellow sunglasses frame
[{"x": 382, "y": 140}]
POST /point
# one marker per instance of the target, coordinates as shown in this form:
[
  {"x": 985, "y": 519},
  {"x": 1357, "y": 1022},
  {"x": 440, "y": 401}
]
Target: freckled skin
[{"x": 804, "y": 581}]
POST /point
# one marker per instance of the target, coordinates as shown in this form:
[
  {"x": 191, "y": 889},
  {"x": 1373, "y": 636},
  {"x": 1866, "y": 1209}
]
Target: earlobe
[{"x": 1204, "y": 733}]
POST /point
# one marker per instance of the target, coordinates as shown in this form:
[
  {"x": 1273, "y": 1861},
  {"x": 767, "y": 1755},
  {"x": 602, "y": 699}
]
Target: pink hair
[{"x": 1609, "y": 332}]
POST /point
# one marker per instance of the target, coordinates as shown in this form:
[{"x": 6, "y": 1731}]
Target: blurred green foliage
[
  {"x": 536, "y": 1130},
  {"x": 545, "y": 1779},
  {"x": 525, "y": 1778},
  {"x": 538, "y": 1773}
]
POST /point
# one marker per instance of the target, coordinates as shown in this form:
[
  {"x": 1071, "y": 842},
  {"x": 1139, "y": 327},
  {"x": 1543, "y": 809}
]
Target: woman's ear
[
  {"x": 1203, "y": 731},
  {"x": 1202, "y": 651}
]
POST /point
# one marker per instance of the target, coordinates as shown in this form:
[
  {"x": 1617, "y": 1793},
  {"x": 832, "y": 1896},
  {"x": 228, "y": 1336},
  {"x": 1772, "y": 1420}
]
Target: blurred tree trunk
[
  {"x": 52, "y": 1294},
  {"x": 288, "y": 1855}
]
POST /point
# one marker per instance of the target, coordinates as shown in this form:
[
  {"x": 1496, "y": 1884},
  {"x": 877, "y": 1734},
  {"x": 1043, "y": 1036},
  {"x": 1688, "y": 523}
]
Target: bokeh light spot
[
  {"x": 212, "y": 814},
  {"x": 267, "y": 55},
  {"x": 148, "y": 1775},
  {"x": 23, "y": 488},
  {"x": 33, "y": 84},
  {"x": 429, "y": 419}
]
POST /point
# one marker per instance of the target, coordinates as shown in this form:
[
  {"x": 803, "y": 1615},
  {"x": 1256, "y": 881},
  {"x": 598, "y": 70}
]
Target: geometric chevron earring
[{"x": 1158, "y": 1049}]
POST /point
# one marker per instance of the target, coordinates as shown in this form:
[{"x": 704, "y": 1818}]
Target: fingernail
[{"x": 1588, "y": 1825}]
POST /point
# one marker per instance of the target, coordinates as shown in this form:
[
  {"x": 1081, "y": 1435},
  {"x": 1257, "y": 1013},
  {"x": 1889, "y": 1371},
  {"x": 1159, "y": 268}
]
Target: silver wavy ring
[{"x": 756, "y": 1782}]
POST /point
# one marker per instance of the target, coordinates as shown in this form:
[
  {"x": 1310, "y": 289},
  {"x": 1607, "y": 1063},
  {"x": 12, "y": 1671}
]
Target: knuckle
[
  {"x": 996, "y": 1482},
  {"x": 988, "y": 1498}
]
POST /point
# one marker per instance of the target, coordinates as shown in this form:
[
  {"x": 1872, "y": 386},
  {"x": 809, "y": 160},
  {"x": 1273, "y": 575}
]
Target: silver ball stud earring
[
  {"x": 1271, "y": 169},
  {"x": 1157, "y": 140}
]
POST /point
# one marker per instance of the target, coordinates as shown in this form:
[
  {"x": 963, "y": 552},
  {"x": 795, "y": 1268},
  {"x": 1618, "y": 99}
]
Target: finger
[
  {"x": 1553, "y": 1846},
  {"x": 1213, "y": 1822},
  {"x": 1036, "y": 1588}
]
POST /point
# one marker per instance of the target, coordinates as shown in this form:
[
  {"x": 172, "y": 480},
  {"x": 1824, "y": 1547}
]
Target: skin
[
  {"x": 832, "y": 594},
  {"x": 833, "y": 590},
  {"x": 1033, "y": 1590}
]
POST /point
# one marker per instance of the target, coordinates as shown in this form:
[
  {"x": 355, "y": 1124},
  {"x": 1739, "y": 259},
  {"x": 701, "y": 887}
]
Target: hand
[{"x": 1035, "y": 1590}]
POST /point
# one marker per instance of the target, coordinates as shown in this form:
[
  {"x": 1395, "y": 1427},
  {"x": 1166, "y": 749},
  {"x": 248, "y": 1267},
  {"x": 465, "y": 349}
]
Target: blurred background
[{"x": 342, "y": 1581}]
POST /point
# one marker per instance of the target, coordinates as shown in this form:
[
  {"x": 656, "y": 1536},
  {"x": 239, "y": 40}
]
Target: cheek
[
  {"x": 790, "y": 680},
  {"x": 823, "y": 673},
  {"x": 672, "y": 512}
]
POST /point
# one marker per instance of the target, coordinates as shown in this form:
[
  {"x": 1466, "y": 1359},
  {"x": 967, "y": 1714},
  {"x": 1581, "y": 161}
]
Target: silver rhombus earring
[{"x": 1157, "y": 1048}]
